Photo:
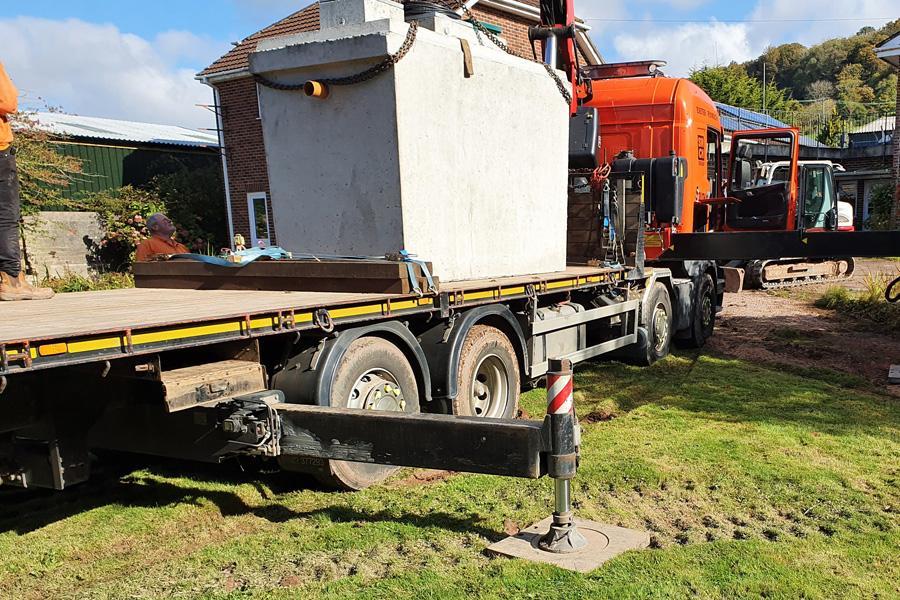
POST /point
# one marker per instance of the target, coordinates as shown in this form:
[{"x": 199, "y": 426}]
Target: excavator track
[{"x": 783, "y": 273}]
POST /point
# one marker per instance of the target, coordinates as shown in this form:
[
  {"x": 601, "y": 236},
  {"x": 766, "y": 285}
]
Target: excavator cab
[
  {"x": 761, "y": 203},
  {"x": 818, "y": 200}
]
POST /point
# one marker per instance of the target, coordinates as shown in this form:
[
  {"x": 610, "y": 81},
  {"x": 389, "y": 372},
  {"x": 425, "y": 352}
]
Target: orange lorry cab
[{"x": 658, "y": 116}]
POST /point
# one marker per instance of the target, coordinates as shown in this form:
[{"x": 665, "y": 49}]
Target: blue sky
[{"x": 136, "y": 59}]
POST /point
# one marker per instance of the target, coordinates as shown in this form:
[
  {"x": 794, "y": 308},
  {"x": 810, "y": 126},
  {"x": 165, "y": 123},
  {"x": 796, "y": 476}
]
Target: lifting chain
[
  {"x": 373, "y": 71},
  {"x": 396, "y": 57},
  {"x": 479, "y": 28}
]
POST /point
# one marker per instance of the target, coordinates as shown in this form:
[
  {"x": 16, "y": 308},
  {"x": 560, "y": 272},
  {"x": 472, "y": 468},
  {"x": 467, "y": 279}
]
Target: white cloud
[
  {"x": 813, "y": 32},
  {"x": 687, "y": 46},
  {"x": 97, "y": 70}
]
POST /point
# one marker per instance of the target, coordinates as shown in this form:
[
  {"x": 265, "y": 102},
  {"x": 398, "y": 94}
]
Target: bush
[
  {"x": 123, "y": 213},
  {"x": 868, "y": 304},
  {"x": 72, "y": 282},
  {"x": 880, "y": 204}
]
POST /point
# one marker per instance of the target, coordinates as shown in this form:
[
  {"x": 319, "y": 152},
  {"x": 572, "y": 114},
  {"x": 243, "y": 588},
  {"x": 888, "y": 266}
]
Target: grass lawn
[{"x": 754, "y": 482}]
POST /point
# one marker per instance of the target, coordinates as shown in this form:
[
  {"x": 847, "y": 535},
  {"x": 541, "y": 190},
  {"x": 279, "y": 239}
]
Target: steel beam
[
  {"x": 509, "y": 447},
  {"x": 759, "y": 245}
]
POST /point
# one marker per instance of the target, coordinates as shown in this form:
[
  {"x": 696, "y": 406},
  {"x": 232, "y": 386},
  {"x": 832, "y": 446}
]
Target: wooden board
[{"x": 370, "y": 276}]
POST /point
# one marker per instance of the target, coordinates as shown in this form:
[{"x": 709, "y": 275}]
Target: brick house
[
  {"x": 237, "y": 106},
  {"x": 889, "y": 51}
]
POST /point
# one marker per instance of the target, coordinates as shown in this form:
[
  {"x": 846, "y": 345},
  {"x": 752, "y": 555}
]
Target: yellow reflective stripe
[
  {"x": 513, "y": 291},
  {"x": 260, "y": 323},
  {"x": 478, "y": 295},
  {"x": 403, "y": 305},
  {"x": 93, "y": 345},
  {"x": 558, "y": 284},
  {"x": 185, "y": 332}
]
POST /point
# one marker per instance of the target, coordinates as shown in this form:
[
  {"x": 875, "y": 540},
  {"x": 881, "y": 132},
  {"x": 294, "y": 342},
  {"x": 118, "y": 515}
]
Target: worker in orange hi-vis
[
  {"x": 160, "y": 242},
  {"x": 13, "y": 285}
]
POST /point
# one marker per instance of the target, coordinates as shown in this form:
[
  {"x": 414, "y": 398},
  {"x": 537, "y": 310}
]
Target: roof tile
[{"x": 306, "y": 19}]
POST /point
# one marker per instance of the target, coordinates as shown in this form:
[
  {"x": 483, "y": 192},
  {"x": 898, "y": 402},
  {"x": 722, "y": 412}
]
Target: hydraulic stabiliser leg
[
  {"x": 562, "y": 462},
  {"x": 561, "y": 539}
]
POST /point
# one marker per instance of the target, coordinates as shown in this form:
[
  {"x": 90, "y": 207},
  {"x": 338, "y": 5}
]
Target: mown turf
[{"x": 753, "y": 483}]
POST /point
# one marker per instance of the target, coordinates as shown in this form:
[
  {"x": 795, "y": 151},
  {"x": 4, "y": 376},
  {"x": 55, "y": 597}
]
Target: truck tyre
[
  {"x": 488, "y": 375},
  {"x": 703, "y": 314},
  {"x": 373, "y": 374},
  {"x": 656, "y": 318}
]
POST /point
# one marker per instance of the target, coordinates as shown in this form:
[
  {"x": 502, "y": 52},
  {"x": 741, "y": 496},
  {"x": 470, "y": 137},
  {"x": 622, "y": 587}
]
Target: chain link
[
  {"x": 396, "y": 57},
  {"x": 479, "y": 28},
  {"x": 373, "y": 71}
]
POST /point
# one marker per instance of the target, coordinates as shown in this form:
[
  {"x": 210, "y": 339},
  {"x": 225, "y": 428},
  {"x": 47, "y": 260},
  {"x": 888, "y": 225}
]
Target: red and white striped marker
[{"x": 559, "y": 393}]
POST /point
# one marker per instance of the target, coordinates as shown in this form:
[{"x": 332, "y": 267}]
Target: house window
[{"x": 259, "y": 218}]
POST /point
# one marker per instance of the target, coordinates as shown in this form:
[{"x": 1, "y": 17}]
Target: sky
[{"x": 136, "y": 60}]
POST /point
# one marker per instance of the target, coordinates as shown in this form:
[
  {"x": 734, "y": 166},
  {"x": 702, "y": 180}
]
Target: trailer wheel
[
  {"x": 656, "y": 317},
  {"x": 488, "y": 376},
  {"x": 373, "y": 375},
  {"x": 703, "y": 315}
]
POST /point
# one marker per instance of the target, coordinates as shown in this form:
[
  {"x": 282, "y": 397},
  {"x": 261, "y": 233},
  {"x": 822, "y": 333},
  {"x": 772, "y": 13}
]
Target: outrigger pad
[{"x": 603, "y": 543}]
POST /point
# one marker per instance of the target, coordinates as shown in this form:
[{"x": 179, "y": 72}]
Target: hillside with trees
[{"x": 826, "y": 89}]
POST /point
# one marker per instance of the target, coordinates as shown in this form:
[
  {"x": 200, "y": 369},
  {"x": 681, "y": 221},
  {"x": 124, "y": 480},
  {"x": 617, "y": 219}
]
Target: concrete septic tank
[{"x": 468, "y": 172}]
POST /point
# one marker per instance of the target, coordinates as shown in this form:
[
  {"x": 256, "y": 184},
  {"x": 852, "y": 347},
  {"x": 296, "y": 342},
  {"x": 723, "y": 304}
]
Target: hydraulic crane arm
[{"x": 557, "y": 35}]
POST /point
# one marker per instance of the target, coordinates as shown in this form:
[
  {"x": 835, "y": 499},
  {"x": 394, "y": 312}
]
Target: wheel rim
[
  {"x": 706, "y": 311},
  {"x": 490, "y": 387},
  {"x": 377, "y": 389},
  {"x": 660, "y": 327}
]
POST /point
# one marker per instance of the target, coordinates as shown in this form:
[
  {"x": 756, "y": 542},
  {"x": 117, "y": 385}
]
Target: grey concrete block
[{"x": 468, "y": 173}]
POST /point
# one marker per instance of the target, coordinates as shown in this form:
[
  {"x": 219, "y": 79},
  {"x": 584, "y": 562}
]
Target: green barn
[{"x": 117, "y": 153}]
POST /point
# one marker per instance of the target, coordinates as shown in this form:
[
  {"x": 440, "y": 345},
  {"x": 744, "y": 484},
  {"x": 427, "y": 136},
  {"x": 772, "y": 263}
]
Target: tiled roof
[{"x": 306, "y": 19}]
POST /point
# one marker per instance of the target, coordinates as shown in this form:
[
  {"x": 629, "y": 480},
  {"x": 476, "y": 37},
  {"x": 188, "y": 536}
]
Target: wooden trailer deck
[{"x": 84, "y": 326}]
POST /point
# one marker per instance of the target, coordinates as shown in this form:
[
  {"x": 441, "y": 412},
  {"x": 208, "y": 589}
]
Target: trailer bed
[
  {"x": 88, "y": 326},
  {"x": 80, "y": 313}
]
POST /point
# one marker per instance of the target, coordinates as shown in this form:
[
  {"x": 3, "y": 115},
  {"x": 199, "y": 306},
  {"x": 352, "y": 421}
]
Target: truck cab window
[{"x": 713, "y": 166}]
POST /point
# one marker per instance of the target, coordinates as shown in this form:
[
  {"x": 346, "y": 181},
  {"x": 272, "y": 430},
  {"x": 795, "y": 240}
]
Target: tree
[
  {"x": 800, "y": 69},
  {"x": 820, "y": 89},
  {"x": 732, "y": 85},
  {"x": 782, "y": 63},
  {"x": 852, "y": 93},
  {"x": 43, "y": 172},
  {"x": 881, "y": 202}
]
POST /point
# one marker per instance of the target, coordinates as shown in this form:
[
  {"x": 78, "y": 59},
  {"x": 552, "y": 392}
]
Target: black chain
[
  {"x": 394, "y": 58},
  {"x": 479, "y": 28},
  {"x": 371, "y": 72}
]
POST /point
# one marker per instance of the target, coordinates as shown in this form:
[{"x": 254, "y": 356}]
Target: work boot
[{"x": 17, "y": 288}]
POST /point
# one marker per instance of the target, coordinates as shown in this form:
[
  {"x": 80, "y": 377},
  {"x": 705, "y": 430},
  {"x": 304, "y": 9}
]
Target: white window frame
[{"x": 252, "y": 197}]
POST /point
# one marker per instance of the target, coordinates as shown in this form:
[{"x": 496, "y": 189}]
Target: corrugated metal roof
[
  {"x": 123, "y": 131},
  {"x": 736, "y": 119},
  {"x": 885, "y": 123}
]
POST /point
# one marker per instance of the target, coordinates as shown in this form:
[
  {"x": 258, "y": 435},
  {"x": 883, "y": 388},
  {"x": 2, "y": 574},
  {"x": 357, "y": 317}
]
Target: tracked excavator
[
  {"x": 784, "y": 195},
  {"x": 743, "y": 206}
]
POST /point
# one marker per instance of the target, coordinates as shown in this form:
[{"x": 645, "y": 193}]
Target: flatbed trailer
[{"x": 212, "y": 374}]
